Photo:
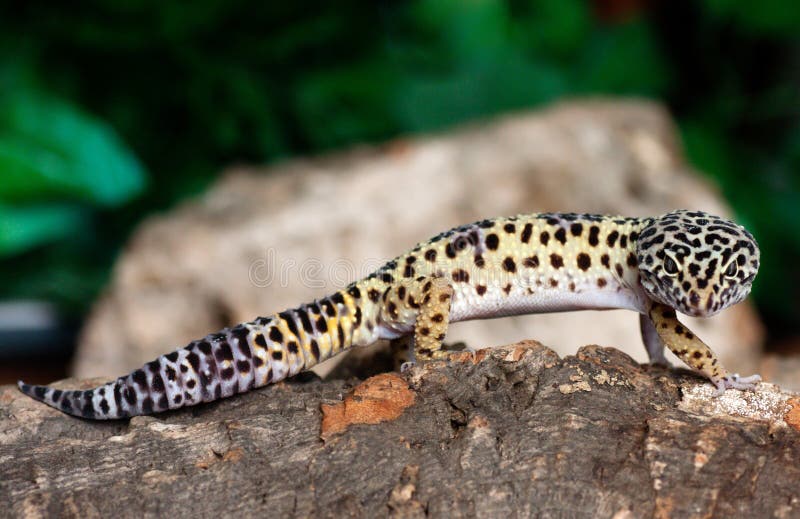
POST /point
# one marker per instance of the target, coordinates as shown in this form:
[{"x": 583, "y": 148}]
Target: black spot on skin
[
  {"x": 411, "y": 259},
  {"x": 623, "y": 241},
  {"x": 604, "y": 259},
  {"x": 460, "y": 276},
  {"x": 510, "y": 228},
  {"x": 147, "y": 405},
  {"x": 355, "y": 292},
  {"x": 118, "y": 395},
  {"x": 561, "y": 236},
  {"x": 315, "y": 349},
  {"x": 218, "y": 390},
  {"x": 492, "y": 242},
  {"x": 305, "y": 321},
  {"x": 556, "y": 261},
  {"x": 226, "y": 373},
  {"x": 338, "y": 298},
  {"x": 140, "y": 378},
  {"x": 694, "y": 269},
  {"x": 437, "y": 318},
  {"x": 224, "y": 352},
  {"x": 293, "y": 347},
  {"x": 632, "y": 261},
  {"x": 357, "y": 317},
  {"x": 204, "y": 347},
  {"x": 373, "y": 295},
  {"x": 553, "y": 221},
  {"x": 340, "y": 332},
  {"x": 481, "y": 289},
  {"x": 531, "y": 262},
  {"x": 572, "y": 287},
  {"x": 486, "y": 224},
  {"x": 526, "y": 233},
  {"x": 425, "y": 331},
  {"x": 172, "y": 357},
  {"x": 686, "y": 286},
  {"x": 411, "y": 302},
  {"x": 275, "y": 334},
  {"x": 258, "y": 362},
  {"x": 184, "y": 368},
  {"x": 40, "y": 391},
  {"x": 679, "y": 329},
  {"x": 669, "y": 313},
  {"x": 430, "y": 255},
  {"x": 450, "y": 251},
  {"x": 584, "y": 261},
  {"x": 620, "y": 270},
  {"x": 387, "y": 278},
  {"x": 601, "y": 282},
  {"x": 509, "y": 265},
  {"x": 177, "y": 399},
  {"x": 554, "y": 283},
  {"x": 57, "y": 393},
  {"x": 158, "y": 383},
  {"x": 128, "y": 393},
  {"x": 288, "y": 318},
  {"x": 277, "y": 355},
  {"x": 694, "y": 299},
  {"x": 544, "y": 238},
  {"x": 576, "y": 229},
  {"x": 409, "y": 271},
  {"x": 594, "y": 232},
  {"x": 697, "y": 355},
  {"x": 611, "y": 239},
  {"x": 392, "y": 308},
  {"x": 507, "y": 288}
]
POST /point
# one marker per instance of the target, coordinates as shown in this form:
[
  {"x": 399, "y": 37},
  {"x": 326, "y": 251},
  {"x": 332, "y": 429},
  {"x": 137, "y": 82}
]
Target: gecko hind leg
[
  {"x": 694, "y": 352},
  {"x": 432, "y": 319}
]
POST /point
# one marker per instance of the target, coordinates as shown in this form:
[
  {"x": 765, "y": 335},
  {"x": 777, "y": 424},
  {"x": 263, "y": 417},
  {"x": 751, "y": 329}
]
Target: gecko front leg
[
  {"x": 652, "y": 341},
  {"x": 694, "y": 352}
]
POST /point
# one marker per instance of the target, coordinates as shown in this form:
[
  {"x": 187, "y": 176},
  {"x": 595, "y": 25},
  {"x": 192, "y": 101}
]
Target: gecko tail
[
  {"x": 220, "y": 365},
  {"x": 75, "y": 403}
]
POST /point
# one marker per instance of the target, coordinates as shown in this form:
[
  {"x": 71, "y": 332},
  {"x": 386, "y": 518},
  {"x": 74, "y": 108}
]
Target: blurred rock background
[{"x": 114, "y": 112}]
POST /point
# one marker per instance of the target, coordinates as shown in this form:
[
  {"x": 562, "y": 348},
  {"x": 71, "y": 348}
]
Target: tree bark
[{"x": 510, "y": 432}]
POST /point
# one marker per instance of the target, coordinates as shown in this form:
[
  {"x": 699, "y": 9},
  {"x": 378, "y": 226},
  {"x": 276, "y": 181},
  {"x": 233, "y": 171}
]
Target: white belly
[{"x": 496, "y": 302}]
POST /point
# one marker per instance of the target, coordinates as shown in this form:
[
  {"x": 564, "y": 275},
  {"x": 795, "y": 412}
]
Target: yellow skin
[{"x": 691, "y": 262}]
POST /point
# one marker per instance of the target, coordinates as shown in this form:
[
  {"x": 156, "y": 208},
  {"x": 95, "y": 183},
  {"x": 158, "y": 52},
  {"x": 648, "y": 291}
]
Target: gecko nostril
[{"x": 694, "y": 299}]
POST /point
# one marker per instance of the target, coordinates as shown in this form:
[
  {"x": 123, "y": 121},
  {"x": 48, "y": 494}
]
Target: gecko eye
[
  {"x": 461, "y": 243},
  {"x": 732, "y": 269},
  {"x": 670, "y": 266}
]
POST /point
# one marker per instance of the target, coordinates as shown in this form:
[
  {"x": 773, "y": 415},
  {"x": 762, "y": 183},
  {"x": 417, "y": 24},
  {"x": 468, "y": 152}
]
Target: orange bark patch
[
  {"x": 793, "y": 416},
  {"x": 378, "y": 399}
]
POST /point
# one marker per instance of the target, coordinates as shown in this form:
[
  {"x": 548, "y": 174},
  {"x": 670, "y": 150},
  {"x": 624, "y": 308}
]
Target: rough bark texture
[
  {"x": 510, "y": 432},
  {"x": 317, "y": 224}
]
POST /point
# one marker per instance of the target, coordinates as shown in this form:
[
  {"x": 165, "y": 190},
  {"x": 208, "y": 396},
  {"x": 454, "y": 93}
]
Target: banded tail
[{"x": 234, "y": 360}]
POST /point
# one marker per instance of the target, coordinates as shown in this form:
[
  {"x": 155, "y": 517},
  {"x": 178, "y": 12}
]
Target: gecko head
[{"x": 695, "y": 262}]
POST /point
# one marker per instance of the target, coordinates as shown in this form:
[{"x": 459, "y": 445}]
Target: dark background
[{"x": 110, "y": 110}]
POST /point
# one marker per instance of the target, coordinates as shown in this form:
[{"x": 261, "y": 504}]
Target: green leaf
[
  {"x": 24, "y": 227},
  {"x": 50, "y": 149}
]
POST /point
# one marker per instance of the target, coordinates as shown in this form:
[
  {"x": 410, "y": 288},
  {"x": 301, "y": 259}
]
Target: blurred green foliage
[{"x": 189, "y": 89}]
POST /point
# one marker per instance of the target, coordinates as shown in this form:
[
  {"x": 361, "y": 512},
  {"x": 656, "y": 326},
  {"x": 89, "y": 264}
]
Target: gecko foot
[
  {"x": 734, "y": 381},
  {"x": 407, "y": 366}
]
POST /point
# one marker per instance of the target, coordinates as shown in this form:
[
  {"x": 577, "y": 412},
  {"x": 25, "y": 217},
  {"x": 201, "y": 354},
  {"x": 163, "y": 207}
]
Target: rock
[
  {"x": 512, "y": 431},
  {"x": 264, "y": 239}
]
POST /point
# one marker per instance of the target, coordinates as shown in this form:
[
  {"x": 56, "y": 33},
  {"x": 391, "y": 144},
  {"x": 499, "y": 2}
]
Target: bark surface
[{"x": 514, "y": 431}]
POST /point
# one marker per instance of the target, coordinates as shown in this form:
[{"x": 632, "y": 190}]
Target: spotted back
[{"x": 697, "y": 263}]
